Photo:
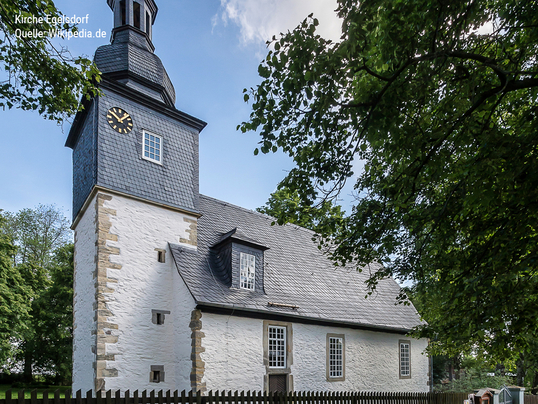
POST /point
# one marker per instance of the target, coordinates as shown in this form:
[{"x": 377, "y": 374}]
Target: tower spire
[
  {"x": 130, "y": 59},
  {"x": 135, "y": 15}
]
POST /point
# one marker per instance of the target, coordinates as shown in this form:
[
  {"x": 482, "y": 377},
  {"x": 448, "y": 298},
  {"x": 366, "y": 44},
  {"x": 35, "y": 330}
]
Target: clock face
[{"x": 119, "y": 120}]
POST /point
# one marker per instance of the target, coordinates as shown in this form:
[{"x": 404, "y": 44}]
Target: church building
[{"x": 177, "y": 290}]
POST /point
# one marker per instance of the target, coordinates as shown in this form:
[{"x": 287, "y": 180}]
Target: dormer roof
[{"x": 239, "y": 236}]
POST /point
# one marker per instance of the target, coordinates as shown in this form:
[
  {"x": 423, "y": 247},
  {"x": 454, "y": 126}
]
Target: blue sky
[{"x": 211, "y": 50}]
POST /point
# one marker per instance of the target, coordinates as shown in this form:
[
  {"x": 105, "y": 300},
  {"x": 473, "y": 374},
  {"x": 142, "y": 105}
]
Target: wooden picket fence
[
  {"x": 223, "y": 397},
  {"x": 530, "y": 399}
]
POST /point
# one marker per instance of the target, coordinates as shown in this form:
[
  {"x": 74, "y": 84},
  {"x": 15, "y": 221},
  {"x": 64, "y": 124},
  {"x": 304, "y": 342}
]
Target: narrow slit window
[
  {"x": 161, "y": 256},
  {"x": 156, "y": 376},
  {"x": 247, "y": 271},
  {"x": 152, "y": 147},
  {"x": 159, "y": 318},
  {"x": 277, "y": 346},
  {"x": 148, "y": 24},
  {"x": 123, "y": 12},
  {"x": 405, "y": 359},
  {"x": 136, "y": 14}
]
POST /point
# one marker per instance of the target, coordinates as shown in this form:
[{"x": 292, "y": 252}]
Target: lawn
[{"x": 29, "y": 389}]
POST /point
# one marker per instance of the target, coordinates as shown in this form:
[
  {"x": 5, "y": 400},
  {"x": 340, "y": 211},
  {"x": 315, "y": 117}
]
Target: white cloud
[{"x": 259, "y": 20}]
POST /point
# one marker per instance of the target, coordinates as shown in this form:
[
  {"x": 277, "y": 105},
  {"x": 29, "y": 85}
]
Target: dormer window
[
  {"x": 237, "y": 260},
  {"x": 248, "y": 271}
]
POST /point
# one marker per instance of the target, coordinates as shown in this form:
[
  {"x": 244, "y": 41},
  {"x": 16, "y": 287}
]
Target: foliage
[
  {"x": 53, "y": 339},
  {"x": 43, "y": 260},
  {"x": 14, "y": 302},
  {"x": 40, "y": 75},
  {"x": 440, "y": 101},
  {"x": 38, "y": 233},
  {"x": 475, "y": 375},
  {"x": 286, "y": 205},
  {"x": 440, "y": 368}
]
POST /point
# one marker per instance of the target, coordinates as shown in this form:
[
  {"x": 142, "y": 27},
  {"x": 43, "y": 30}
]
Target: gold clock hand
[
  {"x": 117, "y": 117},
  {"x": 123, "y": 117}
]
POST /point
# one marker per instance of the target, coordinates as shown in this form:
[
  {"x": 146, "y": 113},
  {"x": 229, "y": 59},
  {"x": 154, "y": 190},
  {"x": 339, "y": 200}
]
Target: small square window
[
  {"x": 156, "y": 374},
  {"x": 153, "y": 147},
  {"x": 158, "y": 316}
]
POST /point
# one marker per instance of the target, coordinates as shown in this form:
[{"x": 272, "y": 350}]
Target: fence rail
[{"x": 229, "y": 397}]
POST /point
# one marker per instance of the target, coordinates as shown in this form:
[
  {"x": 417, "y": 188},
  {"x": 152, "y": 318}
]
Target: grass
[{"x": 28, "y": 389}]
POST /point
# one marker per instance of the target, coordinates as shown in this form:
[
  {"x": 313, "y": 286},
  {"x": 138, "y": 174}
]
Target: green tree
[
  {"x": 473, "y": 375},
  {"x": 14, "y": 302},
  {"x": 53, "y": 341},
  {"x": 440, "y": 101},
  {"x": 39, "y": 235},
  {"x": 285, "y": 205},
  {"x": 39, "y": 75}
]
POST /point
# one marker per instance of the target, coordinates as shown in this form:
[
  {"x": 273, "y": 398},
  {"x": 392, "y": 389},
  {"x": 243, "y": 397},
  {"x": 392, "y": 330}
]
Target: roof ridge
[{"x": 296, "y": 226}]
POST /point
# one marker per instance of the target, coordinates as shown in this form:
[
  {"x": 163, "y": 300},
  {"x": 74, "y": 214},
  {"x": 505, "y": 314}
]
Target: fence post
[{"x": 33, "y": 396}]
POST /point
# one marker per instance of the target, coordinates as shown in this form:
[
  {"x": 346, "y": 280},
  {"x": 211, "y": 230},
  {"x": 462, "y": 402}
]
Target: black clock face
[{"x": 119, "y": 120}]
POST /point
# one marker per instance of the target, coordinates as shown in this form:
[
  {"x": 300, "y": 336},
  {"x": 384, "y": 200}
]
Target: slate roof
[
  {"x": 130, "y": 53},
  {"x": 296, "y": 274}
]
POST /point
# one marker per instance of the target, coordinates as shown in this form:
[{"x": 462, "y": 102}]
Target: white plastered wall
[
  {"x": 371, "y": 358},
  {"x": 145, "y": 284},
  {"x": 141, "y": 285},
  {"x": 83, "y": 301}
]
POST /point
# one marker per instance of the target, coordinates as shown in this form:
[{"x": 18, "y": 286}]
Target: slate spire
[{"x": 129, "y": 58}]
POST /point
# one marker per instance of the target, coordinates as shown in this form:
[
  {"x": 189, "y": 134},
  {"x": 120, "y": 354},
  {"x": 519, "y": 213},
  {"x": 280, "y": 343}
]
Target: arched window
[{"x": 136, "y": 14}]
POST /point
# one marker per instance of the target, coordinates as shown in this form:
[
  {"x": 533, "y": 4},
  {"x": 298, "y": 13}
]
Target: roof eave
[{"x": 257, "y": 313}]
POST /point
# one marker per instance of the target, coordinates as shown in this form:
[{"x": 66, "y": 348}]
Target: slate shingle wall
[
  {"x": 84, "y": 160},
  {"x": 122, "y": 168}
]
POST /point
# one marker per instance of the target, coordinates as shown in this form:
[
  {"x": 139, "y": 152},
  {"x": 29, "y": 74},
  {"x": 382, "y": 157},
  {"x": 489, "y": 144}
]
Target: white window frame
[
  {"x": 404, "y": 353},
  {"x": 336, "y": 357},
  {"x": 144, "y": 151},
  {"x": 247, "y": 271},
  {"x": 277, "y": 343}
]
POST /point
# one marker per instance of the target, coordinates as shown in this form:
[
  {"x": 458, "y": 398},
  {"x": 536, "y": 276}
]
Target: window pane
[
  {"x": 152, "y": 147},
  {"x": 277, "y": 346},
  {"x": 247, "y": 269},
  {"x": 405, "y": 360},
  {"x": 336, "y": 357}
]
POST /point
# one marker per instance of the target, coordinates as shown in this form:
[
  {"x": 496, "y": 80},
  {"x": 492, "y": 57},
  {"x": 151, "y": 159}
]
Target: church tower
[{"x": 135, "y": 188}]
